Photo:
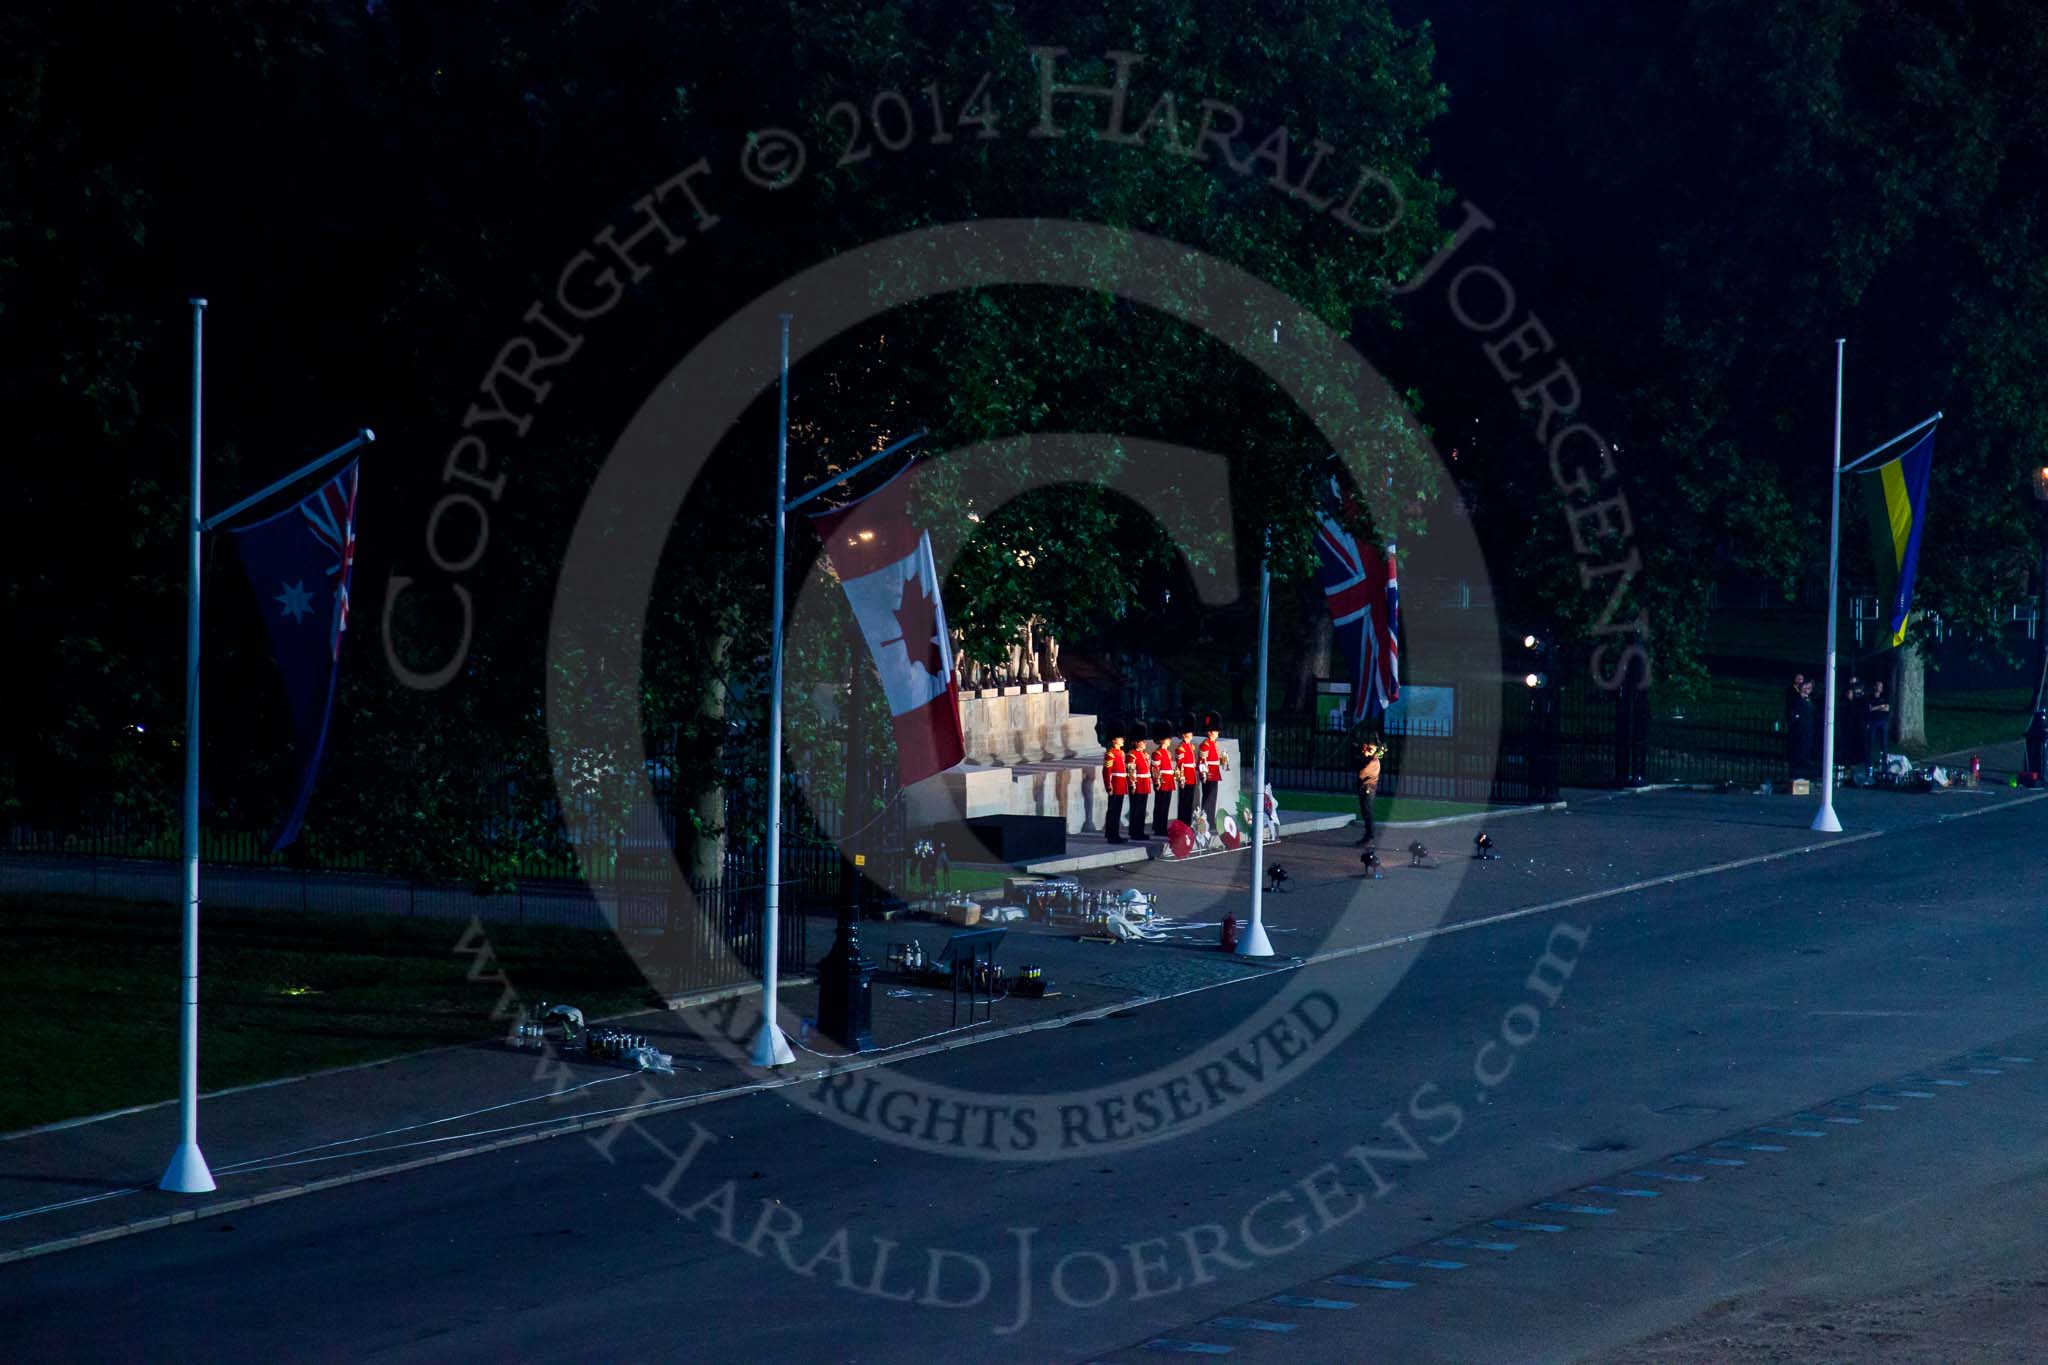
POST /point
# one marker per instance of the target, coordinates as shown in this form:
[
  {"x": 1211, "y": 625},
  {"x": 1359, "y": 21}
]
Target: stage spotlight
[
  {"x": 1275, "y": 876},
  {"x": 1534, "y": 680},
  {"x": 1371, "y": 859},
  {"x": 1416, "y": 853},
  {"x": 1482, "y": 846}
]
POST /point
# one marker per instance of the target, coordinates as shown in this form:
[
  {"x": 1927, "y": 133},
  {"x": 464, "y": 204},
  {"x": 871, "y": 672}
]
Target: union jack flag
[
  {"x": 1364, "y": 598},
  {"x": 298, "y": 561},
  {"x": 331, "y": 515}
]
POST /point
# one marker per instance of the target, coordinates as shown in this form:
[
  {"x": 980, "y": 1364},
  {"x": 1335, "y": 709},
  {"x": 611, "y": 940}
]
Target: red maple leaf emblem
[{"x": 917, "y": 624}]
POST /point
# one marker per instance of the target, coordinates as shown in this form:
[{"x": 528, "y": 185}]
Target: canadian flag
[{"x": 885, "y": 564}]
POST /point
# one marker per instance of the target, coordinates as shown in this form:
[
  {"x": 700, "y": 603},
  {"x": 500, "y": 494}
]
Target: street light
[{"x": 1540, "y": 751}]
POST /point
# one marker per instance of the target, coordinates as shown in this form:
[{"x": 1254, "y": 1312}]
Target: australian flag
[
  {"x": 298, "y": 561},
  {"x": 1365, "y": 604}
]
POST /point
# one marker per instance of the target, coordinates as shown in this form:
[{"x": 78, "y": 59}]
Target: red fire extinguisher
[
  {"x": 1229, "y": 933},
  {"x": 1976, "y": 770}
]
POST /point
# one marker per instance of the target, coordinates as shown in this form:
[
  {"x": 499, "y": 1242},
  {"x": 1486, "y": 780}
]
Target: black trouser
[
  {"x": 1874, "y": 740},
  {"x": 1187, "y": 804},
  {"x": 1209, "y": 793},
  {"x": 1140, "y": 803},
  {"x": 1162, "y": 811},
  {"x": 1365, "y": 814},
  {"x": 1113, "y": 819}
]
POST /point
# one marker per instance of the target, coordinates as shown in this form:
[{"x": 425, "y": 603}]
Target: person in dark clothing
[
  {"x": 1795, "y": 726},
  {"x": 1877, "y": 725},
  {"x": 1809, "y": 727},
  {"x": 1368, "y": 788},
  {"x": 1853, "y": 740}
]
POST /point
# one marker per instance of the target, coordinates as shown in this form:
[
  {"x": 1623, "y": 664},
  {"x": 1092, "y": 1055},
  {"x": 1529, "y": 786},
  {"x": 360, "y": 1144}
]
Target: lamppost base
[
  {"x": 770, "y": 1047},
  {"x": 1254, "y": 943},
  {"x": 188, "y": 1172},
  {"x": 1824, "y": 821}
]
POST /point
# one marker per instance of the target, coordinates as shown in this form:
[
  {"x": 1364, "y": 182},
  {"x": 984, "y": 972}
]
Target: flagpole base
[
  {"x": 1824, "y": 821},
  {"x": 1255, "y": 943},
  {"x": 770, "y": 1047},
  {"x": 187, "y": 1173}
]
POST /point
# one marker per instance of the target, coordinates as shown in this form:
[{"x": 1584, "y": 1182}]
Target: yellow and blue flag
[{"x": 1895, "y": 499}]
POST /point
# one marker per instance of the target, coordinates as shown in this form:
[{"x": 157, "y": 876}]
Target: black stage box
[{"x": 1003, "y": 838}]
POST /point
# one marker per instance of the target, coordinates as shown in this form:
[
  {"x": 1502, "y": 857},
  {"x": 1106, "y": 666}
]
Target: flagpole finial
[{"x": 367, "y": 434}]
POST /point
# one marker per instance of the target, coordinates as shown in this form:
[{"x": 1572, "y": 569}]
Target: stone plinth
[{"x": 1025, "y": 727}]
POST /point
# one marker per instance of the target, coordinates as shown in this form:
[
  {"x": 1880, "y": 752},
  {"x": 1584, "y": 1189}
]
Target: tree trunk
[
  {"x": 1315, "y": 655},
  {"x": 1909, "y": 697},
  {"x": 707, "y": 848}
]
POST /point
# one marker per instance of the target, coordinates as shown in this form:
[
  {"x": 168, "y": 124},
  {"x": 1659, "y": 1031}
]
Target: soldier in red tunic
[
  {"x": 1190, "y": 773},
  {"x": 1165, "y": 777},
  {"x": 1212, "y": 763},
  {"x": 1141, "y": 785},
  {"x": 1116, "y": 782}
]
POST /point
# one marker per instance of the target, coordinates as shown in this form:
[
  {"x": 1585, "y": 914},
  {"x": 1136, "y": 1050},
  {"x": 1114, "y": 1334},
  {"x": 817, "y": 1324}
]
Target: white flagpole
[
  {"x": 1824, "y": 820},
  {"x": 771, "y": 1048},
  {"x": 188, "y": 1173},
  {"x": 1255, "y": 943}
]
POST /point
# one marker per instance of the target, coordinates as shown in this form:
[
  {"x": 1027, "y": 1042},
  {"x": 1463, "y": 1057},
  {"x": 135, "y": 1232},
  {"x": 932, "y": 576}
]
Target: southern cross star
[{"x": 296, "y": 600}]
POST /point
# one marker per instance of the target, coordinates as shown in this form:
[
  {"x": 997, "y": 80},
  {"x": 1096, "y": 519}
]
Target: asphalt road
[{"x": 1461, "y": 1092}]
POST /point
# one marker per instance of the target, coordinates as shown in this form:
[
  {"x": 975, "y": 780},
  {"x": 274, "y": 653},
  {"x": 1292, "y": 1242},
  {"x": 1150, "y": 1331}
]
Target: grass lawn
[
  {"x": 1384, "y": 808},
  {"x": 93, "y": 989},
  {"x": 966, "y": 879},
  {"x": 1972, "y": 720}
]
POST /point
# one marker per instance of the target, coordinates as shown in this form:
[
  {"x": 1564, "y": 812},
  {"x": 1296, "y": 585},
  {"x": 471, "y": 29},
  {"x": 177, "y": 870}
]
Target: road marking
[
  {"x": 1510, "y": 1225},
  {"x": 1252, "y": 1324},
  {"x": 1909, "y": 1094},
  {"x": 1572, "y": 1208},
  {"x": 1476, "y": 1246},
  {"x": 70, "y": 1203},
  {"x": 1367, "y": 1282},
  {"x": 1296, "y": 1301},
  {"x": 1876, "y": 1014},
  {"x": 1930, "y": 1080},
  {"x": 1188, "y": 1348},
  {"x": 2016, "y": 1061},
  {"x": 1758, "y": 1247},
  {"x": 1422, "y": 1261},
  {"x": 1622, "y": 1191},
  {"x": 1825, "y": 1118},
  {"x": 1666, "y": 1175},
  {"x": 1895, "y": 1208},
  {"x": 1983, "y": 1071},
  {"x": 1794, "y": 1132},
  {"x": 1711, "y": 1160},
  {"x": 1750, "y": 1146}
]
